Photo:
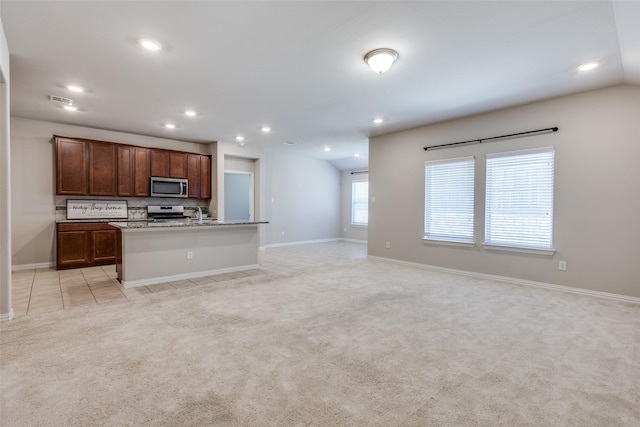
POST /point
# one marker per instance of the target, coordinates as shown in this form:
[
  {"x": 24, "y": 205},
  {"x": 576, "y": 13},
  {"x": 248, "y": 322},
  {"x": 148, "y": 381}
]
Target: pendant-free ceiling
[{"x": 380, "y": 60}]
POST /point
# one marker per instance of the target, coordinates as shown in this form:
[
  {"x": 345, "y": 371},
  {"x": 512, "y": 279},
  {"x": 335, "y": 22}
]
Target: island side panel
[{"x": 159, "y": 255}]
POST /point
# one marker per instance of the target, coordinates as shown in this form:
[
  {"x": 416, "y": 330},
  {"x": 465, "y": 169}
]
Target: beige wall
[
  {"x": 33, "y": 182},
  {"x": 6, "y": 312},
  {"x": 597, "y": 190}
]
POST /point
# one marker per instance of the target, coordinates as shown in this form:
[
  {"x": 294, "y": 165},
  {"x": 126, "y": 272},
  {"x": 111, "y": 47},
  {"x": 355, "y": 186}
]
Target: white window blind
[
  {"x": 448, "y": 210},
  {"x": 359, "y": 203},
  {"x": 519, "y": 199}
]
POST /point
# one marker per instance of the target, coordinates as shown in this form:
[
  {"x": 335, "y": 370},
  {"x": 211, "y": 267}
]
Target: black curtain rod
[
  {"x": 359, "y": 172},
  {"x": 493, "y": 138}
]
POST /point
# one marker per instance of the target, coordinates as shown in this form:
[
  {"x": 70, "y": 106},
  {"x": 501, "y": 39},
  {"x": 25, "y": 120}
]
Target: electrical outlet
[
  {"x": 387, "y": 245},
  {"x": 189, "y": 254},
  {"x": 562, "y": 266}
]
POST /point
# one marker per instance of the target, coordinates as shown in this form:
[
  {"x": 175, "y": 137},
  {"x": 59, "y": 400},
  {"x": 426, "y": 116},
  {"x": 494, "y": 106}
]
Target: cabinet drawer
[{"x": 84, "y": 226}]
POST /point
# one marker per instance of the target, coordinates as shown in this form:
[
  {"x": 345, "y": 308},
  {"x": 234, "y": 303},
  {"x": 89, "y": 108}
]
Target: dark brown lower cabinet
[{"x": 85, "y": 244}]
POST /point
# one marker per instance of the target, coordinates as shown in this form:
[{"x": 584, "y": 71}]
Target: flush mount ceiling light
[
  {"x": 266, "y": 129},
  {"x": 150, "y": 44},
  {"x": 588, "y": 66},
  {"x": 70, "y": 108},
  {"x": 327, "y": 148},
  {"x": 74, "y": 88},
  {"x": 378, "y": 121},
  {"x": 380, "y": 60},
  {"x": 190, "y": 113},
  {"x": 170, "y": 126}
]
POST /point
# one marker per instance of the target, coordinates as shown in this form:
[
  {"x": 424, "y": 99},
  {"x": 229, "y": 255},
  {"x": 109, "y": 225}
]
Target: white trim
[
  {"x": 311, "y": 242},
  {"x": 448, "y": 243},
  {"x": 548, "y": 252},
  {"x": 35, "y": 266},
  {"x": 173, "y": 278},
  {"x": 513, "y": 280},
  {"x": 5, "y": 317},
  {"x": 363, "y": 242},
  {"x": 302, "y": 242}
]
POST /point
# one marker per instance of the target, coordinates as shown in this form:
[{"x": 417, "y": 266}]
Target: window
[
  {"x": 360, "y": 203},
  {"x": 448, "y": 201},
  {"x": 519, "y": 199}
]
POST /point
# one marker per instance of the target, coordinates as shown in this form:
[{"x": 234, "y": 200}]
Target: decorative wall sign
[{"x": 96, "y": 209}]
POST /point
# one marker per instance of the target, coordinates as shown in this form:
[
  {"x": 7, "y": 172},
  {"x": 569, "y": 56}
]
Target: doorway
[{"x": 238, "y": 196}]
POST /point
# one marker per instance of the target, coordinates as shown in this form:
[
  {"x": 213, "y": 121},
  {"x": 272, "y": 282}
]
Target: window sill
[
  {"x": 448, "y": 243},
  {"x": 359, "y": 225},
  {"x": 549, "y": 252}
]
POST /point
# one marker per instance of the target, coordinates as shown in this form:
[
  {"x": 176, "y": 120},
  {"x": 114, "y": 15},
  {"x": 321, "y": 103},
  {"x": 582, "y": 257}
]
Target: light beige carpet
[{"x": 352, "y": 343}]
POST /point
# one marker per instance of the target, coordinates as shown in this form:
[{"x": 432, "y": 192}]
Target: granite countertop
[
  {"x": 71, "y": 221},
  {"x": 149, "y": 225}
]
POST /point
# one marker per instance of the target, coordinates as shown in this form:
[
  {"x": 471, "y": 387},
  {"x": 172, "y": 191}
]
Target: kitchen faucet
[{"x": 199, "y": 215}]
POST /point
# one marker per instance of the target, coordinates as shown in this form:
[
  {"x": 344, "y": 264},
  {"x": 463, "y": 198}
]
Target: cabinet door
[
  {"x": 160, "y": 163},
  {"x": 125, "y": 171},
  {"x": 71, "y": 167},
  {"x": 141, "y": 185},
  {"x": 193, "y": 175},
  {"x": 205, "y": 177},
  {"x": 102, "y": 169},
  {"x": 177, "y": 165},
  {"x": 73, "y": 248},
  {"x": 103, "y": 245}
]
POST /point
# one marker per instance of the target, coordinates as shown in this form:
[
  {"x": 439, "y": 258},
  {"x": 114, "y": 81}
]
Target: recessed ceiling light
[
  {"x": 378, "y": 121},
  {"x": 190, "y": 113},
  {"x": 74, "y": 88},
  {"x": 327, "y": 148},
  {"x": 150, "y": 44},
  {"x": 266, "y": 129},
  {"x": 588, "y": 66},
  {"x": 239, "y": 138},
  {"x": 356, "y": 155},
  {"x": 70, "y": 108},
  {"x": 170, "y": 126}
]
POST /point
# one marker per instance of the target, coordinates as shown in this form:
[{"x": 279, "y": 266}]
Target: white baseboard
[
  {"x": 301, "y": 242},
  {"x": 5, "y": 317},
  {"x": 513, "y": 280},
  {"x": 174, "y": 278},
  {"x": 344, "y": 239},
  {"x": 310, "y": 242},
  {"x": 32, "y": 266}
]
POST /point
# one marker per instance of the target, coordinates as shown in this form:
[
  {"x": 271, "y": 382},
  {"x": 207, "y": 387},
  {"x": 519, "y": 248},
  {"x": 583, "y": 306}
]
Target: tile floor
[{"x": 45, "y": 290}]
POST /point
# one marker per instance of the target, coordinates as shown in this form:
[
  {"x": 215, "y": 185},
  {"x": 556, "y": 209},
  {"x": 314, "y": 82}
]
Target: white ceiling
[{"x": 298, "y": 66}]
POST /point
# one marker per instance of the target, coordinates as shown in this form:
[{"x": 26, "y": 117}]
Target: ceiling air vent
[{"x": 60, "y": 100}]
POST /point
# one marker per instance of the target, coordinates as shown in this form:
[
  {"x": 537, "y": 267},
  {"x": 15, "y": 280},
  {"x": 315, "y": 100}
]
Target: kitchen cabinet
[
  {"x": 160, "y": 163},
  {"x": 177, "y": 165},
  {"x": 86, "y": 167},
  {"x": 85, "y": 244},
  {"x": 133, "y": 171},
  {"x": 205, "y": 177},
  {"x": 71, "y": 167},
  {"x": 102, "y": 169},
  {"x": 141, "y": 172},
  {"x": 125, "y": 170},
  {"x": 199, "y": 176},
  {"x": 168, "y": 164}
]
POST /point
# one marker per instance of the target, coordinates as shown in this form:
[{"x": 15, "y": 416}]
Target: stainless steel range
[{"x": 165, "y": 213}]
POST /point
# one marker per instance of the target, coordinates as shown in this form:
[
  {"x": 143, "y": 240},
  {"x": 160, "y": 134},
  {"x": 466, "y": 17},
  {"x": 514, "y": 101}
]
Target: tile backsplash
[{"x": 136, "y": 207}]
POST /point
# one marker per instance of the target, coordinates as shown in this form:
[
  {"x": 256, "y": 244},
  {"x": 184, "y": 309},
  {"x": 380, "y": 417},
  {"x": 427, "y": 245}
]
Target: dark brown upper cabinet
[{"x": 71, "y": 167}]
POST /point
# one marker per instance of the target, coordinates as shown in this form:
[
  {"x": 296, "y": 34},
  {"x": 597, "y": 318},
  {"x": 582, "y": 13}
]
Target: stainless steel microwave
[{"x": 169, "y": 187}]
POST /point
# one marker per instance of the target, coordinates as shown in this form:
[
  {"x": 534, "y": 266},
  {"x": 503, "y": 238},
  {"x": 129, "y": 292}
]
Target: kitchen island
[{"x": 149, "y": 253}]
